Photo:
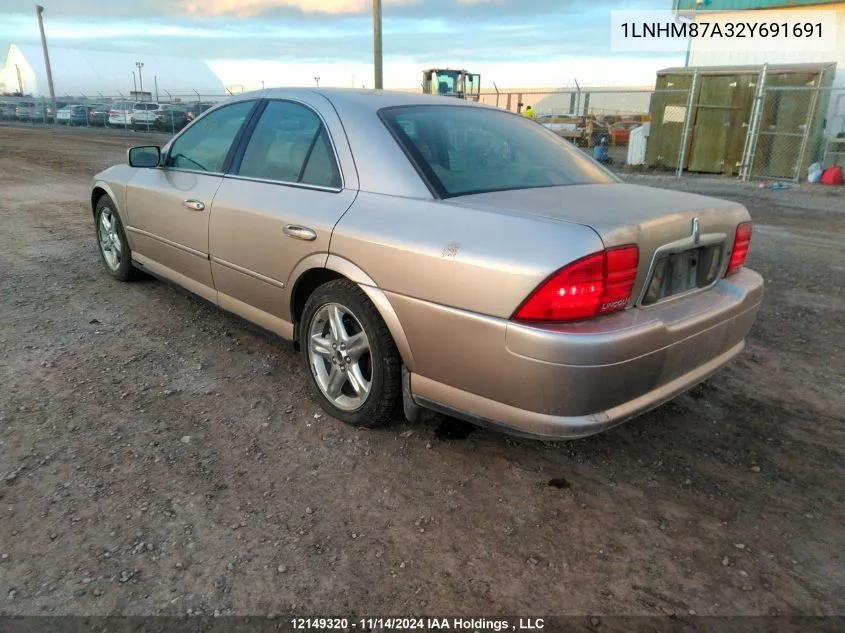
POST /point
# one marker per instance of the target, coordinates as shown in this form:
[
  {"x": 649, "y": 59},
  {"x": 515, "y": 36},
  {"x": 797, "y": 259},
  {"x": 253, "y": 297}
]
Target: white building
[
  {"x": 704, "y": 52},
  {"x": 710, "y": 52},
  {"x": 79, "y": 72},
  {"x": 568, "y": 100}
]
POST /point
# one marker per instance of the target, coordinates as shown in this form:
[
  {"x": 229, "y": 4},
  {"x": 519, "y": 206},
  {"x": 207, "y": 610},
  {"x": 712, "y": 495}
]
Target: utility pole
[
  {"x": 140, "y": 65},
  {"x": 38, "y": 11},
  {"x": 377, "y": 54}
]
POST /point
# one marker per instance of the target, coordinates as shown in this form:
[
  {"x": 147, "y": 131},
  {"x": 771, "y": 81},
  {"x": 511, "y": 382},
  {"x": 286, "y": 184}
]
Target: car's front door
[
  {"x": 277, "y": 207},
  {"x": 169, "y": 206}
]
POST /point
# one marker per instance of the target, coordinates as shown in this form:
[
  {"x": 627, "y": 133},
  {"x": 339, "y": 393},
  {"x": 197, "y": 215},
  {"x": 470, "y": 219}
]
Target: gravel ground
[{"x": 159, "y": 456}]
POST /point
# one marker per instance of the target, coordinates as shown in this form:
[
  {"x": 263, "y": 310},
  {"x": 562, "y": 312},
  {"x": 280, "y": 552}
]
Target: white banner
[{"x": 753, "y": 30}]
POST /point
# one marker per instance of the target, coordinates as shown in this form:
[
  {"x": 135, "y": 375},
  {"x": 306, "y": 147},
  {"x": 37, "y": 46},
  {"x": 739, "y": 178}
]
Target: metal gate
[
  {"x": 723, "y": 104},
  {"x": 785, "y": 120}
]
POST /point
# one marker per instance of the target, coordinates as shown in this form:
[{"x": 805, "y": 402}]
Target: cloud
[
  {"x": 547, "y": 73},
  {"x": 252, "y": 8},
  {"x": 311, "y": 10},
  {"x": 545, "y": 38}
]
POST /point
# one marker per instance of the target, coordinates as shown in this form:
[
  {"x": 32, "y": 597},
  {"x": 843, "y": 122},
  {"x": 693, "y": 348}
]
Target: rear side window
[
  {"x": 461, "y": 150},
  {"x": 290, "y": 144},
  {"x": 205, "y": 145}
]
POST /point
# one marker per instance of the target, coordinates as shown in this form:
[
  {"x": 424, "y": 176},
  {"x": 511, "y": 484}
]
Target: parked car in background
[
  {"x": 144, "y": 114},
  {"x": 429, "y": 253},
  {"x": 36, "y": 111},
  {"x": 7, "y": 110},
  {"x": 26, "y": 110},
  {"x": 120, "y": 113},
  {"x": 98, "y": 114},
  {"x": 72, "y": 115},
  {"x": 196, "y": 109},
  {"x": 172, "y": 117}
]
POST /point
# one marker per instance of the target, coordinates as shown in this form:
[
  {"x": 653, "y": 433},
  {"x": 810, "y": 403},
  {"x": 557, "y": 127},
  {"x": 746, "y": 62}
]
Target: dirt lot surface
[{"x": 159, "y": 456}]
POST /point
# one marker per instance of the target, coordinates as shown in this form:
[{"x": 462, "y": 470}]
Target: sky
[{"x": 514, "y": 43}]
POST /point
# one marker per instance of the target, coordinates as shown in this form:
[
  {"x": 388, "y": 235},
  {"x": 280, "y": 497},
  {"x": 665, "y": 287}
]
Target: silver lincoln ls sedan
[{"x": 428, "y": 254}]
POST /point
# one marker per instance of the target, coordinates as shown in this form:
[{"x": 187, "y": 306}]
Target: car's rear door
[
  {"x": 290, "y": 183},
  {"x": 169, "y": 206}
]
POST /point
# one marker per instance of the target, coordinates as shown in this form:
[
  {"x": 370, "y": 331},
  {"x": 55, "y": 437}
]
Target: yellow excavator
[{"x": 452, "y": 83}]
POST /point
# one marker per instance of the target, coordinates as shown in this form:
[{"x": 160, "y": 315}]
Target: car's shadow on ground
[{"x": 718, "y": 432}]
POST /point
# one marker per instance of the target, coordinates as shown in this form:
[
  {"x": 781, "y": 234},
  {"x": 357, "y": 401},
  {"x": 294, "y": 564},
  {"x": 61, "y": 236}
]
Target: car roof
[
  {"x": 358, "y": 99},
  {"x": 380, "y": 164}
]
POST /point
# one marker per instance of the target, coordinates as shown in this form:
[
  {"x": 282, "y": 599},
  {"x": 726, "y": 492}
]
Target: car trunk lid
[{"x": 684, "y": 239}]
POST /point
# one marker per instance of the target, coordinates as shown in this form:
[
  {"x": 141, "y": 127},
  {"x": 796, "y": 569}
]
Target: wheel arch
[
  {"x": 99, "y": 190},
  {"x": 312, "y": 273}
]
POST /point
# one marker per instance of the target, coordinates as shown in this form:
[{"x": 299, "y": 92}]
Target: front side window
[
  {"x": 290, "y": 144},
  {"x": 205, "y": 145},
  {"x": 464, "y": 150}
]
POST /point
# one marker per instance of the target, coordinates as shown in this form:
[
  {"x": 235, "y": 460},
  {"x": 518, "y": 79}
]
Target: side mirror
[{"x": 144, "y": 156}]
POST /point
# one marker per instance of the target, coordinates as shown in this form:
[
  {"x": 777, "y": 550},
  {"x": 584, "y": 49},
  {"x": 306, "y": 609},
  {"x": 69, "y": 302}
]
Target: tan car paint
[{"x": 446, "y": 275}]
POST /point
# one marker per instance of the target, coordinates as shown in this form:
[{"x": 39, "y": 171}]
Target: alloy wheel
[{"x": 340, "y": 357}]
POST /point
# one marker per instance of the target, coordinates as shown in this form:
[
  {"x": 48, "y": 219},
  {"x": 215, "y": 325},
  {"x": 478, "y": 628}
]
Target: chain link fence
[
  {"x": 169, "y": 113},
  {"x": 769, "y": 131},
  {"x": 583, "y": 116},
  {"x": 752, "y": 129},
  {"x": 796, "y": 127}
]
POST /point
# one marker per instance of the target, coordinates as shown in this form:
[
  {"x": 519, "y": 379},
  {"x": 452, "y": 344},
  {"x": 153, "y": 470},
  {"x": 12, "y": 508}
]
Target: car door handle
[
  {"x": 300, "y": 232},
  {"x": 194, "y": 205}
]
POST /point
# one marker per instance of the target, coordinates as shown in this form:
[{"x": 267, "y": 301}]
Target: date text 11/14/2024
[{"x": 417, "y": 624}]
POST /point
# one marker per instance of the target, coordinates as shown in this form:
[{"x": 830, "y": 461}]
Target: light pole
[
  {"x": 135, "y": 83},
  {"x": 317, "y": 79},
  {"x": 140, "y": 65},
  {"x": 38, "y": 11},
  {"x": 377, "y": 54}
]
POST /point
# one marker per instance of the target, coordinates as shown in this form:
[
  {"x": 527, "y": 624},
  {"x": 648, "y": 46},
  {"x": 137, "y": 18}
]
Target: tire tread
[{"x": 126, "y": 271}]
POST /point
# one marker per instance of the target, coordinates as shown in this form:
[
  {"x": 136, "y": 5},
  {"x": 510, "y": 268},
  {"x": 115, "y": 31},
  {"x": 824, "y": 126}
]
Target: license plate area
[{"x": 678, "y": 273}]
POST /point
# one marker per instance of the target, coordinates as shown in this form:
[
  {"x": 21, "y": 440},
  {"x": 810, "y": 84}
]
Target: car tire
[
  {"x": 111, "y": 241},
  {"x": 370, "y": 390}
]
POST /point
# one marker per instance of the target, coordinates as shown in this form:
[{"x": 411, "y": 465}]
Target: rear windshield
[{"x": 464, "y": 150}]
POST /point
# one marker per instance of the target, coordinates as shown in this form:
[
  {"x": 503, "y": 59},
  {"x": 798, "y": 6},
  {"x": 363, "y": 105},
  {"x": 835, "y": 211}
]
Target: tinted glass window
[
  {"x": 290, "y": 144},
  {"x": 464, "y": 150},
  {"x": 204, "y": 146},
  {"x": 321, "y": 168}
]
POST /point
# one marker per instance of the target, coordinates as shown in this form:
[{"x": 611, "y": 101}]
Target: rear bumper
[{"x": 565, "y": 383}]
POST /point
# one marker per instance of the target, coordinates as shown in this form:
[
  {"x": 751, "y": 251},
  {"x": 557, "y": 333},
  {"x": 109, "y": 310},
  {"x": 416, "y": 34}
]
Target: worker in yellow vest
[{"x": 529, "y": 113}]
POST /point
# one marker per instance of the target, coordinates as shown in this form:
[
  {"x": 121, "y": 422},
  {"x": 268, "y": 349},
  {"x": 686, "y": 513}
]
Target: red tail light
[
  {"x": 597, "y": 284},
  {"x": 742, "y": 243}
]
